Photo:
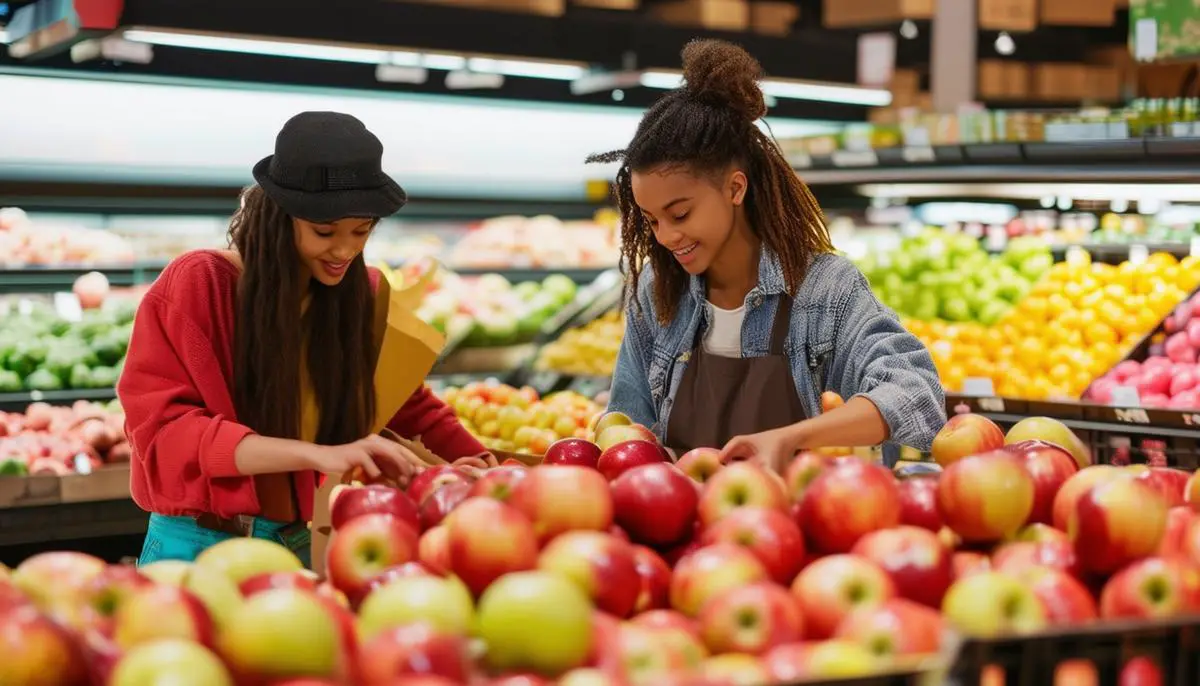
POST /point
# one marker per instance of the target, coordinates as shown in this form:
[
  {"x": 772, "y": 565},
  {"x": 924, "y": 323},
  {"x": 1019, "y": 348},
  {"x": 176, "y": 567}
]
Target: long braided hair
[{"x": 705, "y": 126}]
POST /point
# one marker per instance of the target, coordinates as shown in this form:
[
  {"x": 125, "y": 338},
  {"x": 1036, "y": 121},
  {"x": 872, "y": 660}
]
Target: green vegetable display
[{"x": 41, "y": 351}]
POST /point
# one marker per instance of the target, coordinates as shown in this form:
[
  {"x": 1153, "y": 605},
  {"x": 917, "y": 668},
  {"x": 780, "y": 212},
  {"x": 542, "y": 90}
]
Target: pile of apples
[
  {"x": 1169, "y": 377},
  {"x": 511, "y": 419},
  {"x": 52, "y": 440}
]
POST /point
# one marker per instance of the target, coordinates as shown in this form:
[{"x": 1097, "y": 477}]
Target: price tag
[
  {"x": 991, "y": 404},
  {"x": 1133, "y": 415},
  {"x": 68, "y": 307},
  {"x": 979, "y": 386},
  {"x": 876, "y": 58},
  {"x": 1125, "y": 396},
  {"x": 1138, "y": 253},
  {"x": 855, "y": 158},
  {"x": 1145, "y": 40},
  {"x": 919, "y": 155},
  {"x": 1077, "y": 256}
]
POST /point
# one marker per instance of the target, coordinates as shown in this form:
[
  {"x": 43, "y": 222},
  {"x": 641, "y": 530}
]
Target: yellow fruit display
[
  {"x": 518, "y": 419},
  {"x": 1073, "y": 326},
  {"x": 588, "y": 350}
]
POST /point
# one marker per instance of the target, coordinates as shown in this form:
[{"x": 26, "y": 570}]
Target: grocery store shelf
[
  {"x": 1128, "y": 160},
  {"x": 17, "y": 402},
  {"x": 580, "y": 275},
  {"x": 1083, "y": 416}
]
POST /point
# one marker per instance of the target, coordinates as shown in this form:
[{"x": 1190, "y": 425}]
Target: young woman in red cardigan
[{"x": 251, "y": 371}]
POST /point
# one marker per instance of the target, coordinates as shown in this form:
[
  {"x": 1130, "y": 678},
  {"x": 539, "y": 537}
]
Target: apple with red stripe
[{"x": 488, "y": 539}]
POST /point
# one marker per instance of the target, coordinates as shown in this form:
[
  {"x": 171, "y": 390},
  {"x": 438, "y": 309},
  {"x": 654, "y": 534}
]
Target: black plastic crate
[{"x": 1172, "y": 645}]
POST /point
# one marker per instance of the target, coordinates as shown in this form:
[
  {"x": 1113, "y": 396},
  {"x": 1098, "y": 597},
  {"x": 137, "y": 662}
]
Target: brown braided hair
[{"x": 705, "y": 126}]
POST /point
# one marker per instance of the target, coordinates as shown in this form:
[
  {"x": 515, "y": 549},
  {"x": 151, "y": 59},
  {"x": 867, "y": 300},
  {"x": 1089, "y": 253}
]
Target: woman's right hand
[{"x": 374, "y": 455}]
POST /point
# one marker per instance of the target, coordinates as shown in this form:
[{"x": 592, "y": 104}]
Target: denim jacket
[{"x": 841, "y": 339}]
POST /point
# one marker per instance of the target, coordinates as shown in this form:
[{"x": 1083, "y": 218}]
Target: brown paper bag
[{"x": 408, "y": 348}]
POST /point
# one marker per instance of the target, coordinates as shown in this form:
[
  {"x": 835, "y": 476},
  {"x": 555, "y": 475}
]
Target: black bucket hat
[{"x": 328, "y": 166}]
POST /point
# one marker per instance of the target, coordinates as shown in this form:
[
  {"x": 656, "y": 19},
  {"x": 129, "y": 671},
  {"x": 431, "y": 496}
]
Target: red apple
[
  {"x": 366, "y": 546},
  {"x": 355, "y": 501},
  {"x": 1179, "y": 520},
  {"x": 401, "y": 571},
  {"x": 893, "y": 628},
  {"x": 1042, "y": 533},
  {"x": 801, "y": 471},
  {"x": 438, "y": 504},
  {"x": 55, "y": 580},
  {"x": 711, "y": 570},
  {"x": 37, "y": 650},
  {"x": 735, "y": 670},
  {"x": 270, "y": 580},
  {"x": 560, "y": 498},
  {"x": 740, "y": 484},
  {"x": 750, "y": 619},
  {"x": 433, "y": 550},
  {"x": 963, "y": 435},
  {"x": 987, "y": 497},
  {"x": 488, "y": 539},
  {"x": 1050, "y": 466},
  {"x": 1116, "y": 523},
  {"x": 701, "y": 463},
  {"x": 156, "y": 612},
  {"x": 413, "y": 649},
  {"x": 667, "y": 619},
  {"x": 605, "y": 420},
  {"x": 498, "y": 483},
  {"x": 431, "y": 479},
  {"x": 1170, "y": 483},
  {"x": 655, "y": 504},
  {"x": 967, "y": 563},
  {"x": 914, "y": 558},
  {"x": 1191, "y": 493},
  {"x": 1076, "y": 486},
  {"x": 614, "y": 435},
  {"x": 847, "y": 502},
  {"x": 1019, "y": 555},
  {"x": 1151, "y": 588},
  {"x": 107, "y": 592},
  {"x": 1065, "y": 599},
  {"x": 918, "y": 502},
  {"x": 832, "y": 587},
  {"x": 600, "y": 564},
  {"x": 821, "y": 661},
  {"x": 573, "y": 451},
  {"x": 1051, "y": 431},
  {"x": 623, "y": 456},
  {"x": 654, "y": 589},
  {"x": 1141, "y": 671},
  {"x": 768, "y": 533},
  {"x": 643, "y": 657}
]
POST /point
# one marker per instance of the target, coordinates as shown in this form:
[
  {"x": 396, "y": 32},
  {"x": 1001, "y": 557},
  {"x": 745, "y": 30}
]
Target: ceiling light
[{"x": 791, "y": 89}]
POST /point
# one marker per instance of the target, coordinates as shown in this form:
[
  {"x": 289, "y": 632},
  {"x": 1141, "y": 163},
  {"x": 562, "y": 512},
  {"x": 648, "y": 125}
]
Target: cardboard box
[
  {"x": 719, "y": 15},
  {"x": 1078, "y": 12},
  {"x": 773, "y": 17},
  {"x": 1008, "y": 15},
  {"x": 851, "y": 13},
  {"x": 1060, "y": 82},
  {"x": 625, "y": 5},
  {"x": 1002, "y": 80}
]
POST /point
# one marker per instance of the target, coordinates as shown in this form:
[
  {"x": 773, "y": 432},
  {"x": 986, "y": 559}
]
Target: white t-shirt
[{"x": 724, "y": 335}]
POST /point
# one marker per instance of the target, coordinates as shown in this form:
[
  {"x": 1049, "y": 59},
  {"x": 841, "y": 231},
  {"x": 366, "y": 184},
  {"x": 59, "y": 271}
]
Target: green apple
[
  {"x": 990, "y": 604},
  {"x": 218, "y": 593},
  {"x": 535, "y": 621},
  {"x": 241, "y": 558},
  {"x": 444, "y": 603},
  {"x": 281, "y": 633},
  {"x": 170, "y": 661}
]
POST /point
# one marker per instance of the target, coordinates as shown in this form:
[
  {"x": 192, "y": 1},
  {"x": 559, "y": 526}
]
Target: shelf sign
[
  {"x": 855, "y": 158},
  {"x": 1125, "y": 396},
  {"x": 919, "y": 155},
  {"x": 978, "y": 386},
  {"x": 1134, "y": 415}
]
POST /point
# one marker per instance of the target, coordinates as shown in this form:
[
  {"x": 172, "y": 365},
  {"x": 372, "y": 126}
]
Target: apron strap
[{"x": 783, "y": 322}]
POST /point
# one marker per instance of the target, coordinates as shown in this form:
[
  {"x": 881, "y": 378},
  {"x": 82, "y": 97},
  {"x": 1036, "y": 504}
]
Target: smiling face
[
  {"x": 326, "y": 250},
  {"x": 692, "y": 216}
]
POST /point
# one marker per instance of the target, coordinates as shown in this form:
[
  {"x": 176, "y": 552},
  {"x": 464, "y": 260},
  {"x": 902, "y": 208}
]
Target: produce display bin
[{"x": 1172, "y": 644}]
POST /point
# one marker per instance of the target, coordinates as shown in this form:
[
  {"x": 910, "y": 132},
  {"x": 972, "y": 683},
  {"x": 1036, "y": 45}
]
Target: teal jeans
[{"x": 181, "y": 538}]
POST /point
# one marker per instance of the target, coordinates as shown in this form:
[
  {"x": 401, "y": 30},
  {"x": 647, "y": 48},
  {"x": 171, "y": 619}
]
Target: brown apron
[{"x": 722, "y": 397}]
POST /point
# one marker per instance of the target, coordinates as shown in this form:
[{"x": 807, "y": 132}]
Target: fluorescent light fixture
[
  {"x": 1174, "y": 192},
  {"x": 790, "y": 89},
  {"x": 559, "y": 71}
]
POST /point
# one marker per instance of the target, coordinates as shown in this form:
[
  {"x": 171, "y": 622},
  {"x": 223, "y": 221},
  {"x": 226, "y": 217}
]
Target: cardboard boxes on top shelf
[
  {"x": 856, "y": 13},
  {"x": 773, "y": 17},
  {"x": 1003, "y": 80},
  {"x": 1008, "y": 15},
  {"x": 1078, "y": 12},
  {"x": 718, "y": 15}
]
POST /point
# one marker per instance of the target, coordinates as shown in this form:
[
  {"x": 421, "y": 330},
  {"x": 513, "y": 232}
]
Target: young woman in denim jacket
[{"x": 740, "y": 315}]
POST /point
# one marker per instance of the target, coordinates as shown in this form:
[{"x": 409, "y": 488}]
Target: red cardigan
[{"x": 176, "y": 393}]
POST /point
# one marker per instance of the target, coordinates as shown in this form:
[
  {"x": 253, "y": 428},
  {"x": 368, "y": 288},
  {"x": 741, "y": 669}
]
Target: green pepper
[{"x": 13, "y": 466}]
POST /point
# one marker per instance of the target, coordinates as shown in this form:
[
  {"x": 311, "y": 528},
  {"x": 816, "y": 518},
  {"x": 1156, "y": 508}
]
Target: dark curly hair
[{"x": 705, "y": 126}]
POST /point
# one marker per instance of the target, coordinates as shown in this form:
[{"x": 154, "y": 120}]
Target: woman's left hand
[{"x": 774, "y": 448}]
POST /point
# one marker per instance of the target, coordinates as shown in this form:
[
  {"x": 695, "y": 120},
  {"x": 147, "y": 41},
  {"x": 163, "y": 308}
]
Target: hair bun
[{"x": 724, "y": 75}]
